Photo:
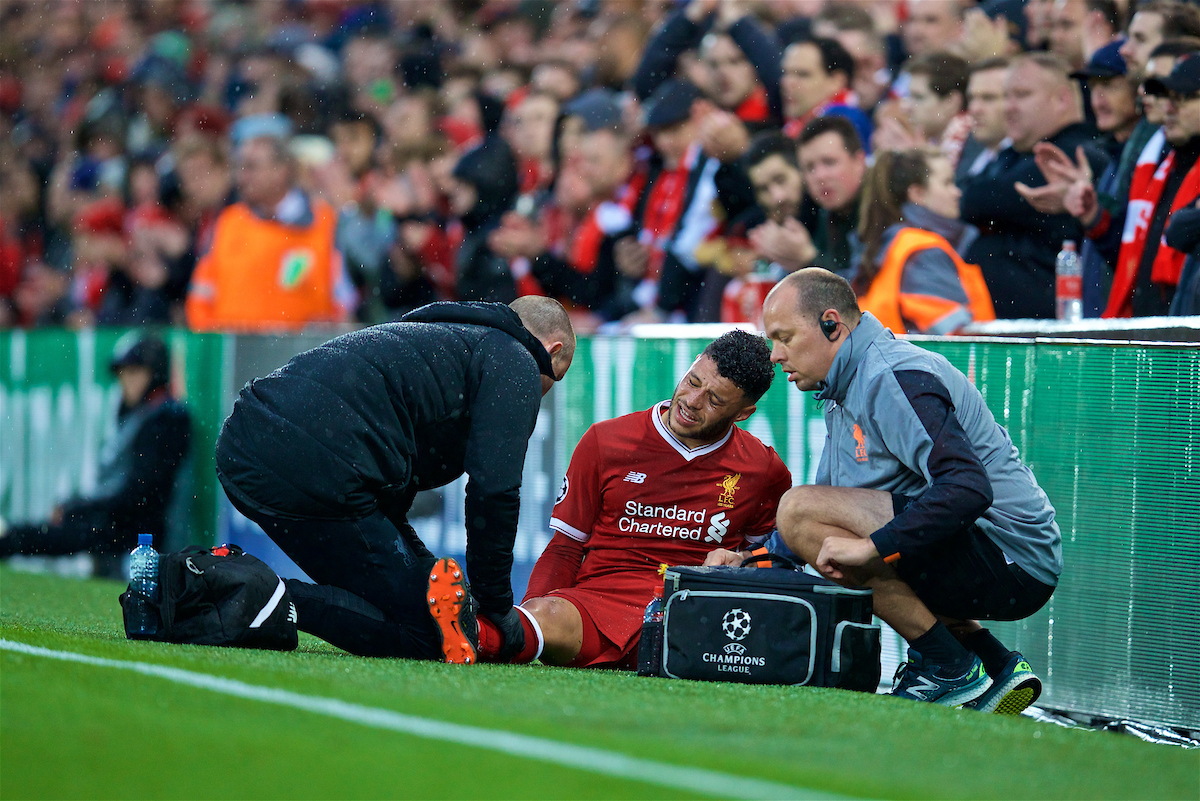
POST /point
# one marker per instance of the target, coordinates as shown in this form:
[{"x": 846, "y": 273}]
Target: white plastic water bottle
[
  {"x": 1068, "y": 284},
  {"x": 142, "y": 620}
]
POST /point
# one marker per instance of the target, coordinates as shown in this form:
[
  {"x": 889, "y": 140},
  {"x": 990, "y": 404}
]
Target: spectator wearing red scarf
[
  {"x": 677, "y": 212},
  {"x": 568, "y": 250},
  {"x": 1148, "y": 269}
]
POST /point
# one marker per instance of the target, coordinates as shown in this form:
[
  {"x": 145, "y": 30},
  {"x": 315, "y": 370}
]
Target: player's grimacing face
[{"x": 705, "y": 403}]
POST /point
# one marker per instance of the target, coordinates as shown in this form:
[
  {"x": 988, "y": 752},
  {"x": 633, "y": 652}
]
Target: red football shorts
[{"x": 611, "y": 607}]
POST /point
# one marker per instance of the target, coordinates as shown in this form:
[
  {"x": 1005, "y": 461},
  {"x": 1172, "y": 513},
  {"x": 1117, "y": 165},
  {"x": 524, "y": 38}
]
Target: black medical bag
[{"x": 762, "y": 625}]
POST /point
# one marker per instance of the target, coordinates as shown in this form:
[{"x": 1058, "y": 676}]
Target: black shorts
[{"x": 967, "y": 577}]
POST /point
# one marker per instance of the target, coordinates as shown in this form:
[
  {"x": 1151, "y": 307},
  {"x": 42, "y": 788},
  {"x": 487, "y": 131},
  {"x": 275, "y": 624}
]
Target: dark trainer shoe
[
  {"x": 453, "y": 611},
  {"x": 918, "y": 681},
  {"x": 1012, "y": 691}
]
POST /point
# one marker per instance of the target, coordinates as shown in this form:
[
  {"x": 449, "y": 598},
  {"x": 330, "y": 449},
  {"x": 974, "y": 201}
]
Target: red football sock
[
  {"x": 491, "y": 640},
  {"x": 533, "y": 639}
]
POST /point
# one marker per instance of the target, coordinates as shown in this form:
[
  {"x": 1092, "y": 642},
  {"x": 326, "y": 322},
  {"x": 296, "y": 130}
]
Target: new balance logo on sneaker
[
  {"x": 922, "y": 690},
  {"x": 918, "y": 681}
]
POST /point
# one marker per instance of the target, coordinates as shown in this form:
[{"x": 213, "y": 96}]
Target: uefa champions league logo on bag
[{"x": 736, "y": 624}]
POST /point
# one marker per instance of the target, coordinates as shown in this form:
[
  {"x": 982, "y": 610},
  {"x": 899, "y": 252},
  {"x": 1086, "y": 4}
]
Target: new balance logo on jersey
[
  {"x": 717, "y": 529},
  {"x": 291, "y": 612},
  {"x": 635, "y": 477}
]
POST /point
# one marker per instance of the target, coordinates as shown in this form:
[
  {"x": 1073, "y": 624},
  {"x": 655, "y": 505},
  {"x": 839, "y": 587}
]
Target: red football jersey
[{"x": 636, "y": 496}]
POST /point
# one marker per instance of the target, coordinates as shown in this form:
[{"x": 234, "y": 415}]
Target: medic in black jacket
[{"x": 327, "y": 453}]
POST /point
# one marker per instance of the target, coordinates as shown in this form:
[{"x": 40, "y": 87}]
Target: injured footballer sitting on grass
[{"x": 667, "y": 485}]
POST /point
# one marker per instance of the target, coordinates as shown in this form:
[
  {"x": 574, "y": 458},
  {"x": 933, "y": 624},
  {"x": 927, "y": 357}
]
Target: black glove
[{"x": 513, "y": 631}]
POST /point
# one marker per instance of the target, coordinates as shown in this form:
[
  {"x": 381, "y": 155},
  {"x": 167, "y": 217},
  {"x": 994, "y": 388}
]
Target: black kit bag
[
  {"x": 762, "y": 625},
  {"x": 221, "y": 596}
]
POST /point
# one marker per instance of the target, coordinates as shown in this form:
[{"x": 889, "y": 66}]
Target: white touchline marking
[{"x": 595, "y": 760}]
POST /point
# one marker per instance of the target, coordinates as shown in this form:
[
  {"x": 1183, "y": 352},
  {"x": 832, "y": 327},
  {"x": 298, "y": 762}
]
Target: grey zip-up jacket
[{"x": 903, "y": 420}]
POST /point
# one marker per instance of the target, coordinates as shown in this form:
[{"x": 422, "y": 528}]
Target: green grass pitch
[{"x": 77, "y": 730}]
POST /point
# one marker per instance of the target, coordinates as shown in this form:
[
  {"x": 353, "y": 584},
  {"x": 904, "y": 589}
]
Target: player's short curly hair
[{"x": 745, "y": 359}]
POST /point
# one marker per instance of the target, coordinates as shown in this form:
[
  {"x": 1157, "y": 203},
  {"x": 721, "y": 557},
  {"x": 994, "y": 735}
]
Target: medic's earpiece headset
[{"x": 829, "y": 328}]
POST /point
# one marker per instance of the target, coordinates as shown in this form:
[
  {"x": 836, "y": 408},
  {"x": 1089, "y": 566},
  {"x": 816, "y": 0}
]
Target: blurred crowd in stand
[{"x": 269, "y": 164}]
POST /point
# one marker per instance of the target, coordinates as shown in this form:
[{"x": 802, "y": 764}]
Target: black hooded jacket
[{"x": 365, "y": 420}]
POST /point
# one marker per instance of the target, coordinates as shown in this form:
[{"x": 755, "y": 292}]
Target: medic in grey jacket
[
  {"x": 903, "y": 420},
  {"x": 920, "y": 497}
]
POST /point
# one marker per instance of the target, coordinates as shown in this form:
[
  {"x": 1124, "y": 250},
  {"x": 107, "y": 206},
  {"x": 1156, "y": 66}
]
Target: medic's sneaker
[
  {"x": 1012, "y": 691},
  {"x": 918, "y": 681},
  {"x": 453, "y": 611}
]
